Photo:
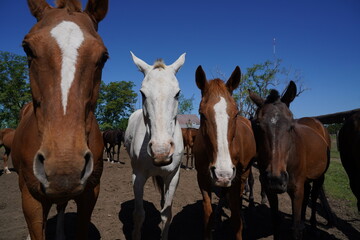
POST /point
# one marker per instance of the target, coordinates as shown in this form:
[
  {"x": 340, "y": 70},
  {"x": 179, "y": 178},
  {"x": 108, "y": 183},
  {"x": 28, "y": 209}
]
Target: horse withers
[
  {"x": 349, "y": 142},
  {"x": 223, "y": 148},
  {"x": 57, "y": 147},
  {"x": 291, "y": 154},
  {"x": 189, "y": 135},
  {"x": 6, "y": 138},
  {"x": 153, "y": 139}
]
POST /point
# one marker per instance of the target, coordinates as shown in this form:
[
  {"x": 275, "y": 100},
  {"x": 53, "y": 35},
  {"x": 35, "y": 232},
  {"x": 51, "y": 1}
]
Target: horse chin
[
  {"x": 60, "y": 196},
  {"x": 278, "y": 189},
  {"x": 222, "y": 183}
]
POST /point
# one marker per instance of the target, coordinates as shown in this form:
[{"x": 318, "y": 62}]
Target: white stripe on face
[
  {"x": 69, "y": 37},
  {"x": 221, "y": 119}
]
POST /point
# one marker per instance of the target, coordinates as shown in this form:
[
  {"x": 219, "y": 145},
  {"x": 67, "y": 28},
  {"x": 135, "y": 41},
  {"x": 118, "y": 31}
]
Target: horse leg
[
  {"x": 6, "y": 157},
  {"x": 297, "y": 198},
  {"x": 85, "y": 206},
  {"x": 307, "y": 188},
  {"x": 60, "y": 222},
  {"x": 139, "y": 212},
  {"x": 315, "y": 192},
  {"x": 263, "y": 195},
  {"x": 107, "y": 148},
  {"x": 205, "y": 188},
  {"x": 324, "y": 202},
  {"x": 171, "y": 184},
  {"x": 250, "y": 185},
  {"x": 35, "y": 212},
  {"x": 274, "y": 206},
  {"x": 118, "y": 152},
  {"x": 187, "y": 156}
]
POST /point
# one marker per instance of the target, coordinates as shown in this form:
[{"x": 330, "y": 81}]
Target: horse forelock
[
  {"x": 71, "y": 5},
  {"x": 273, "y": 96},
  {"x": 159, "y": 63}
]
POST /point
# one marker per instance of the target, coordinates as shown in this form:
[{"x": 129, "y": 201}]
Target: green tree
[
  {"x": 115, "y": 104},
  {"x": 185, "y": 104},
  {"x": 15, "y": 87},
  {"x": 261, "y": 78}
]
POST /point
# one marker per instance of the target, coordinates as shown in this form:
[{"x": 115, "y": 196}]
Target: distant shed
[{"x": 188, "y": 120}]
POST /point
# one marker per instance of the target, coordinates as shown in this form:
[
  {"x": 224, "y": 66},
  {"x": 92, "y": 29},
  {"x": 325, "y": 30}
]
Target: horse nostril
[
  {"x": 284, "y": 176},
  {"x": 88, "y": 167},
  {"x": 39, "y": 169}
]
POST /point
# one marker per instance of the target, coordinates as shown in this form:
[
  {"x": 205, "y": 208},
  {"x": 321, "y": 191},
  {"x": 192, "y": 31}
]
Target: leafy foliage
[
  {"x": 185, "y": 104},
  {"x": 115, "y": 104},
  {"x": 15, "y": 87}
]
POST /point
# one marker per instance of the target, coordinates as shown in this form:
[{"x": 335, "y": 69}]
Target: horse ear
[
  {"x": 178, "y": 63},
  {"x": 234, "y": 80},
  {"x": 38, "y": 7},
  {"x": 97, "y": 9},
  {"x": 259, "y": 101},
  {"x": 290, "y": 94},
  {"x": 200, "y": 79},
  {"x": 142, "y": 66}
]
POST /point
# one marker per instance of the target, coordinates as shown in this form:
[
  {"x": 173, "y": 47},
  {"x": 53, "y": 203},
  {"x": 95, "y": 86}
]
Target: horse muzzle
[
  {"x": 222, "y": 178},
  {"x": 275, "y": 183},
  {"x": 161, "y": 153},
  {"x": 62, "y": 178}
]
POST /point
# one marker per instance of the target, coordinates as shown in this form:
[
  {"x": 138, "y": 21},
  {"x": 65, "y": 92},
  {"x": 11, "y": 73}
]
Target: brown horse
[
  {"x": 223, "y": 148},
  {"x": 111, "y": 139},
  {"x": 349, "y": 143},
  {"x": 6, "y": 138},
  {"x": 57, "y": 147},
  {"x": 189, "y": 135},
  {"x": 291, "y": 154}
]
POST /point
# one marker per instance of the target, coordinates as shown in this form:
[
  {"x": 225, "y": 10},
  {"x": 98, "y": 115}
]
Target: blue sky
[{"x": 320, "y": 39}]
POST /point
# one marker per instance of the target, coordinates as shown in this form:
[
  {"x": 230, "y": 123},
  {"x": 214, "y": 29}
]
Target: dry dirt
[{"x": 112, "y": 216}]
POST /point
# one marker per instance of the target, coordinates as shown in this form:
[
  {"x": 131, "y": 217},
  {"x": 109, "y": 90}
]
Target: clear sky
[{"x": 321, "y": 39}]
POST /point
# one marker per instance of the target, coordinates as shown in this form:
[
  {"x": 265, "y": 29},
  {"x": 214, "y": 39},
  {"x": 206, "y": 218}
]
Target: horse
[
  {"x": 58, "y": 147},
  {"x": 223, "y": 148},
  {"x": 189, "y": 135},
  {"x": 153, "y": 139},
  {"x": 349, "y": 142},
  {"x": 6, "y": 138},
  {"x": 291, "y": 154},
  {"x": 111, "y": 139}
]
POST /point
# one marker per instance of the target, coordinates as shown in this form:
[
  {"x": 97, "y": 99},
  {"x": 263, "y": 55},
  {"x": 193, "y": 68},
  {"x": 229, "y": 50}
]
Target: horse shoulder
[
  {"x": 317, "y": 126},
  {"x": 96, "y": 146}
]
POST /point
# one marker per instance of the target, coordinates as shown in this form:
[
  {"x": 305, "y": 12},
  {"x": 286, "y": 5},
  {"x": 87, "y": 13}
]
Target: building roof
[{"x": 188, "y": 120}]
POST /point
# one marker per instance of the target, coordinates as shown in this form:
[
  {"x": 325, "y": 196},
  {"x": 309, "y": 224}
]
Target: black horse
[{"x": 113, "y": 138}]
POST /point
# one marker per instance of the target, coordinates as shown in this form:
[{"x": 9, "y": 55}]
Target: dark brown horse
[
  {"x": 349, "y": 147},
  {"x": 291, "y": 154},
  {"x": 111, "y": 139},
  {"x": 6, "y": 138},
  {"x": 223, "y": 148},
  {"x": 189, "y": 135},
  {"x": 57, "y": 147}
]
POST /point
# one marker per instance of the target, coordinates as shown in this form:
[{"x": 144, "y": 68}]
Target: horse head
[
  {"x": 160, "y": 92},
  {"x": 273, "y": 127},
  {"x": 65, "y": 56},
  {"x": 218, "y": 113}
]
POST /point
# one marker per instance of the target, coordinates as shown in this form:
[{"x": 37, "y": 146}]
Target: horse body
[
  {"x": 189, "y": 135},
  {"x": 223, "y": 148},
  {"x": 349, "y": 142},
  {"x": 153, "y": 139},
  {"x": 58, "y": 147},
  {"x": 6, "y": 138},
  {"x": 291, "y": 154},
  {"x": 111, "y": 139}
]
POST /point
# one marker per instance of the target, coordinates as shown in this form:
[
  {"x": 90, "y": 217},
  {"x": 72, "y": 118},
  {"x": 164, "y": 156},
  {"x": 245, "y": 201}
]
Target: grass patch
[{"x": 337, "y": 184}]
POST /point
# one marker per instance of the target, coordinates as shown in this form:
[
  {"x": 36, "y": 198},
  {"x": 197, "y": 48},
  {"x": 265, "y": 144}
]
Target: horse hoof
[{"x": 7, "y": 171}]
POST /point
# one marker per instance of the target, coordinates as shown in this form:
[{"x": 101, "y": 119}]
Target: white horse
[{"x": 153, "y": 139}]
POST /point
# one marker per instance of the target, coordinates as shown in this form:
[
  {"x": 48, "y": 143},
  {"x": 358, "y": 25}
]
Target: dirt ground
[{"x": 112, "y": 216}]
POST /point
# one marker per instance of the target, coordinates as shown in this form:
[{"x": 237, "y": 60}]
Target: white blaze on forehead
[
  {"x": 69, "y": 37},
  {"x": 221, "y": 119}
]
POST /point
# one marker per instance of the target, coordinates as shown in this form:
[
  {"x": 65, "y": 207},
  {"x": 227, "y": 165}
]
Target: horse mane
[
  {"x": 273, "y": 96},
  {"x": 216, "y": 86},
  {"x": 71, "y": 5},
  {"x": 159, "y": 63}
]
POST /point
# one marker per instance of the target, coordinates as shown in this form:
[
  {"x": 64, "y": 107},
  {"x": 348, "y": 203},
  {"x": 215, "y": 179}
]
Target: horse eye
[
  {"x": 177, "y": 95},
  {"x": 104, "y": 57},
  {"x": 30, "y": 54}
]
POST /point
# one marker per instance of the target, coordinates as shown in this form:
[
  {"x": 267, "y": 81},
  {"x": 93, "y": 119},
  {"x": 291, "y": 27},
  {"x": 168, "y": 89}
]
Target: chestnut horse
[
  {"x": 57, "y": 147},
  {"x": 223, "y": 148},
  {"x": 349, "y": 143},
  {"x": 291, "y": 154},
  {"x": 6, "y": 138},
  {"x": 189, "y": 135},
  {"x": 153, "y": 139}
]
